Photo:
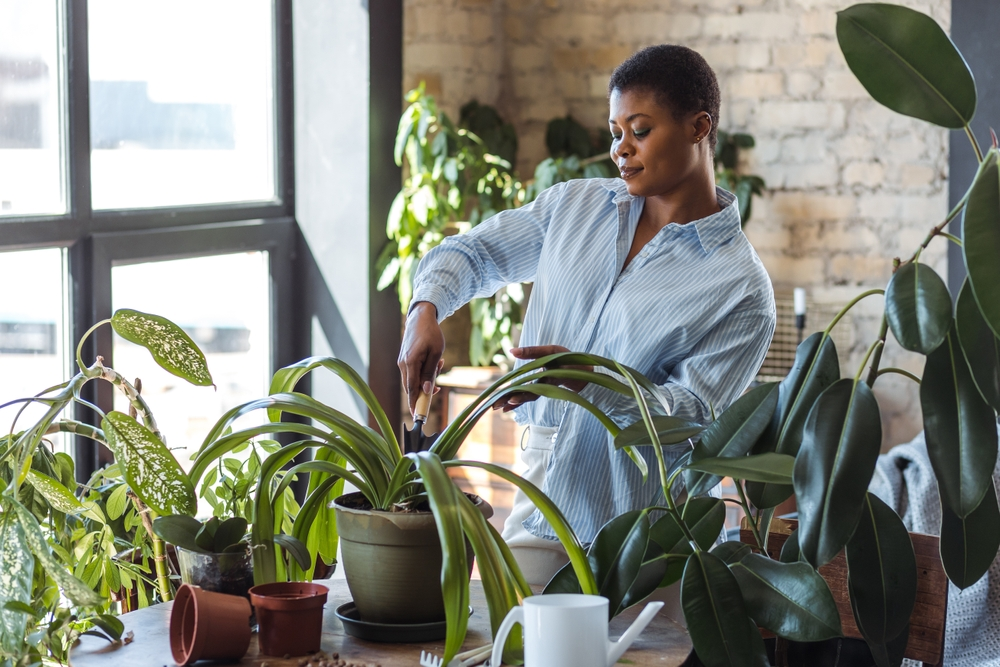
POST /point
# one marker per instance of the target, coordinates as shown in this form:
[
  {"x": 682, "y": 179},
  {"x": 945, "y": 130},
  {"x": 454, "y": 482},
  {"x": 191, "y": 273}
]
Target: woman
[{"x": 651, "y": 269}]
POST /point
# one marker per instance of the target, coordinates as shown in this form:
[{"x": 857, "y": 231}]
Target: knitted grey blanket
[{"x": 905, "y": 480}]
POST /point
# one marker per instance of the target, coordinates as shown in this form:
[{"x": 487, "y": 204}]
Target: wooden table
[{"x": 663, "y": 643}]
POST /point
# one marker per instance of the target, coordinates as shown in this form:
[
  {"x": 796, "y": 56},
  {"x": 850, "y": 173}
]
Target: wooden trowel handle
[{"x": 422, "y": 408}]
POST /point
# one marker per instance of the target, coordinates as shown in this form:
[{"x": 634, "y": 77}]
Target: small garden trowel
[{"x": 414, "y": 440}]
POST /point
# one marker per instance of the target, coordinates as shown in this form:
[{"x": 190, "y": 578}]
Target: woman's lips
[{"x": 629, "y": 172}]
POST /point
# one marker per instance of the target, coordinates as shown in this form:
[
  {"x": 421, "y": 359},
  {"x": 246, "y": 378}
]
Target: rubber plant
[
  {"x": 817, "y": 435},
  {"x": 57, "y": 546}
]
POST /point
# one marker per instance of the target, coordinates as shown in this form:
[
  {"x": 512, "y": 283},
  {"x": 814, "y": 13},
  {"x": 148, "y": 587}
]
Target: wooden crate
[{"x": 926, "y": 641}]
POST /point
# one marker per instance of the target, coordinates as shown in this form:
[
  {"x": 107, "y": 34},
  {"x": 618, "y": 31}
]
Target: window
[
  {"x": 31, "y": 109},
  {"x": 181, "y": 102}
]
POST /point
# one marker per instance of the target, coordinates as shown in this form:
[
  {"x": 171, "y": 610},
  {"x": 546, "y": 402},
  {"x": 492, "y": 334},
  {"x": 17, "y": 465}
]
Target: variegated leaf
[
  {"x": 17, "y": 566},
  {"x": 149, "y": 467},
  {"x": 171, "y": 348},
  {"x": 77, "y": 591},
  {"x": 60, "y": 498}
]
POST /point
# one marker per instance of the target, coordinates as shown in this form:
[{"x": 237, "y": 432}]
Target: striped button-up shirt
[{"x": 693, "y": 311}]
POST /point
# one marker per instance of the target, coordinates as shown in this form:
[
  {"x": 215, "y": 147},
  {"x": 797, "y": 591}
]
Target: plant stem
[
  {"x": 667, "y": 490},
  {"x": 79, "y": 347},
  {"x": 877, "y": 345},
  {"x": 974, "y": 142},
  {"x": 746, "y": 511},
  {"x": 900, "y": 371},
  {"x": 159, "y": 551},
  {"x": 843, "y": 311},
  {"x": 939, "y": 229},
  {"x": 951, "y": 237},
  {"x": 877, "y": 357}
]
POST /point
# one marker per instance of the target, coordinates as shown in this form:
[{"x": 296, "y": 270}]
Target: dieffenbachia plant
[{"x": 38, "y": 509}]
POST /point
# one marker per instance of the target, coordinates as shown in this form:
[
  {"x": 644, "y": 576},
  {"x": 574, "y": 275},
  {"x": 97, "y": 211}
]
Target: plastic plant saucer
[{"x": 396, "y": 633}]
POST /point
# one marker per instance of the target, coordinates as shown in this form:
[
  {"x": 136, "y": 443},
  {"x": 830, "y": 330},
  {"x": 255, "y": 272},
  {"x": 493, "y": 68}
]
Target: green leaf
[
  {"x": 171, "y": 348},
  {"x": 296, "y": 549},
  {"x": 443, "y": 498},
  {"x": 206, "y": 534},
  {"x": 980, "y": 347},
  {"x": 149, "y": 467},
  {"x": 960, "y": 429},
  {"x": 733, "y": 434},
  {"x": 770, "y": 468},
  {"x": 906, "y": 62},
  {"x": 815, "y": 368},
  {"x": 717, "y": 619},
  {"x": 790, "y": 549},
  {"x": 60, "y": 498},
  {"x": 839, "y": 451},
  {"x": 882, "y": 573},
  {"x": 17, "y": 567},
  {"x": 732, "y": 551},
  {"x": 918, "y": 307},
  {"x": 180, "y": 530},
  {"x": 670, "y": 430},
  {"x": 981, "y": 239},
  {"x": 74, "y": 589},
  {"x": 616, "y": 555},
  {"x": 969, "y": 546},
  {"x": 790, "y": 599},
  {"x": 704, "y": 518},
  {"x": 651, "y": 573},
  {"x": 110, "y": 624}
]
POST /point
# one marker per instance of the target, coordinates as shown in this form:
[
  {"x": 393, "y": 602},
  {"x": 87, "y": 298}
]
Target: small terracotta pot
[
  {"x": 208, "y": 626},
  {"x": 289, "y": 617}
]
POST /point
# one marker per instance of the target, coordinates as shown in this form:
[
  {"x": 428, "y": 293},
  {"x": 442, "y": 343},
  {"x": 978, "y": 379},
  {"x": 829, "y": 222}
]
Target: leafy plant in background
[{"x": 728, "y": 174}]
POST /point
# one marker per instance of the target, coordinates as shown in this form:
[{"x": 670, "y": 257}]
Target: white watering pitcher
[{"x": 568, "y": 630}]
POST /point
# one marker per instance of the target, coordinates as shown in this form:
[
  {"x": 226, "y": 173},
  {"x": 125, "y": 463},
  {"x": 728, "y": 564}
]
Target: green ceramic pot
[{"x": 392, "y": 561}]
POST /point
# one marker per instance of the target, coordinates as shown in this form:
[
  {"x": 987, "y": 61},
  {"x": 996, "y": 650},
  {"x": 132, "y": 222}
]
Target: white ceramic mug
[{"x": 568, "y": 630}]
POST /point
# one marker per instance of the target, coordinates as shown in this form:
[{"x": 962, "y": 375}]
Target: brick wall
[{"x": 850, "y": 184}]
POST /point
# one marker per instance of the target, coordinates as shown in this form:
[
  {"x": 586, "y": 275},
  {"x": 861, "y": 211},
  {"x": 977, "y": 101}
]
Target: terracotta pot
[
  {"x": 208, "y": 626},
  {"x": 289, "y": 617},
  {"x": 392, "y": 561}
]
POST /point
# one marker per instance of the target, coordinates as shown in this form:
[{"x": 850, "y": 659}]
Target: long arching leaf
[
  {"x": 768, "y": 468},
  {"x": 882, "y": 573},
  {"x": 18, "y": 566},
  {"x": 149, "y": 467},
  {"x": 906, "y": 61},
  {"x": 969, "y": 546},
  {"x": 839, "y": 451},
  {"x": 733, "y": 434},
  {"x": 918, "y": 307},
  {"x": 171, "y": 348},
  {"x": 960, "y": 429}
]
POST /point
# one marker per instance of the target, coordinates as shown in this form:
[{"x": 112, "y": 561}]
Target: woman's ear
[{"x": 701, "y": 126}]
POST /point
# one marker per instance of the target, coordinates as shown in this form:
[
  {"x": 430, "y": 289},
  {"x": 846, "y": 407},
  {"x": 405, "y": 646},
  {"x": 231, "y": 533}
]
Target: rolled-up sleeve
[
  {"x": 718, "y": 370},
  {"x": 502, "y": 250}
]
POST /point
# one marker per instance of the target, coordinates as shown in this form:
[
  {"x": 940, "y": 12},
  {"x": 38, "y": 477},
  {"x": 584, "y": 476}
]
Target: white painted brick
[
  {"x": 818, "y": 22},
  {"x": 598, "y": 84},
  {"x": 792, "y": 116},
  {"x": 808, "y": 148},
  {"x": 916, "y": 175},
  {"x": 843, "y": 86},
  {"x": 801, "y": 84},
  {"x": 868, "y": 174},
  {"x": 755, "y": 84}
]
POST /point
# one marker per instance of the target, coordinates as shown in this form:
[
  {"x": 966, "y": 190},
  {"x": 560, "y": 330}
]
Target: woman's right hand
[{"x": 420, "y": 354}]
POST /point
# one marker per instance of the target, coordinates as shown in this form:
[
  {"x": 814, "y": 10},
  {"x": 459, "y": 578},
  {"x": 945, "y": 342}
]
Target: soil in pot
[
  {"x": 392, "y": 561},
  {"x": 230, "y": 573},
  {"x": 289, "y": 617},
  {"x": 208, "y": 626}
]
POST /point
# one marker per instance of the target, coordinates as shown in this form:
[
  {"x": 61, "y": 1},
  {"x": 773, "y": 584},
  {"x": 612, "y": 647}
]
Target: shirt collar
[{"x": 713, "y": 230}]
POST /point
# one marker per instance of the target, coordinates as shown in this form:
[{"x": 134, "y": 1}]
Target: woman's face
[{"x": 654, "y": 151}]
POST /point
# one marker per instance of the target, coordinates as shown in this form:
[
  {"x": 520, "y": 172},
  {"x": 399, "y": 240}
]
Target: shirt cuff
[{"x": 432, "y": 294}]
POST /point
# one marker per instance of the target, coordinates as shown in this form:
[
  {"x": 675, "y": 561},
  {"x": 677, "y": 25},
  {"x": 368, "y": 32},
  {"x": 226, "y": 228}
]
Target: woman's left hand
[{"x": 536, "y": 352}]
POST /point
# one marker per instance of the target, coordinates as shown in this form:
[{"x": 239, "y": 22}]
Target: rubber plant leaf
[
  {"x": 769, "y": 468},
  {"x": 732, "y": 551},
  {"x": 171, "y": 348},
  {"x": 981, "y": 239},
  {"x": 17, "y": 566},
  {"x": 882, "y": 573},
  {"x": 704, "y": 517},
  {"x": 651, "y": 573},
  {"x": 78, "y": 592},
  {"x": 980, "y": 347},
  {"x": 960, "y": 428},
  {"x": 918, "y": 307},
  {"x": 148, "y": 466},
  {"x": 721, "y": 630},
  {"x": 670, "y": 431},
  {"x": 790, "y": 599},
  {"x": 616, "y": 555},
  {"x": 969, "y": 545},
  {"x": 815, "y": 368},
  {"x": 733, "y": 434},
  {"x": 839, "y": 451},
  {"x": 906, "y": 62}
]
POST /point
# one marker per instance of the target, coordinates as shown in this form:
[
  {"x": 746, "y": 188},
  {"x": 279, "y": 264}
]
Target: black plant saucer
[{"x": 396, "y": 633}]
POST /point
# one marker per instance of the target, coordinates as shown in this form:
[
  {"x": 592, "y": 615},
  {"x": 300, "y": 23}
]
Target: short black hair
[{"x": 680, "y": 78}]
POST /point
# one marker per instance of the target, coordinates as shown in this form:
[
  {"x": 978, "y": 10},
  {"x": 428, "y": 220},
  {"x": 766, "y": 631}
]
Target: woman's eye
[
  {"x": 640, "y": 133},
  {"x": 615, "y": 137}
]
